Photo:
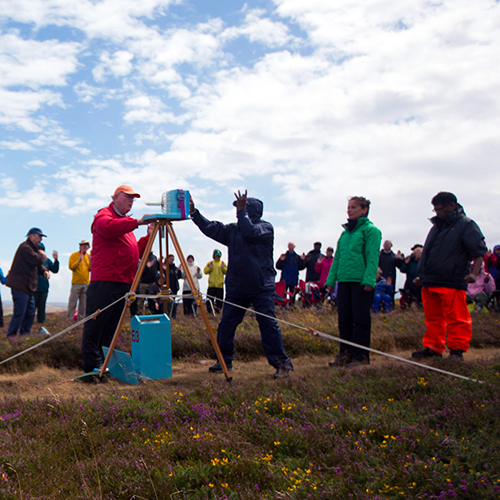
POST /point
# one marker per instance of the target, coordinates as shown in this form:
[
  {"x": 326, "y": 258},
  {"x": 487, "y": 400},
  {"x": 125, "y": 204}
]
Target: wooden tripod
[{"x": 159, "y": 228}]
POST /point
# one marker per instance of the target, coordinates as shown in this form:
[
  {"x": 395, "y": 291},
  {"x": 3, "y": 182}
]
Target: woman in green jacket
[{"x": 354, "y": 267}]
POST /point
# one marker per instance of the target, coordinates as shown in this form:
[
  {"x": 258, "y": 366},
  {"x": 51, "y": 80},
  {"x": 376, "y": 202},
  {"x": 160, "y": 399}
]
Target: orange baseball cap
[{"x": 127, "y": 190}]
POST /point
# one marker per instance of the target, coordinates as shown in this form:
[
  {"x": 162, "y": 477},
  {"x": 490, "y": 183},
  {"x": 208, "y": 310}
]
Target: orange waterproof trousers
[{"x": 446, "y": 309}]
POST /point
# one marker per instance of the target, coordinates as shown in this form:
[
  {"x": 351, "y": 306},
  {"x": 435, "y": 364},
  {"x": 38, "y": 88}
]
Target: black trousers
[
  {"x": 99, "y": 332},
  {"x": 270, "y": 333},
  {"x": 40, "y": 305},
  {"x": 188, "y": 304},
  {"x": 355, "y": 321},
  {"x": 218, "y": 293}
]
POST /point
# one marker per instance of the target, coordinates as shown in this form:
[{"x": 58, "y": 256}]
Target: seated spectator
[
  {"x": 480, "y": 292},
  {"x": 322, "y": 267},
  {"x": 412, "y": 293},
  {"x": 383, "y": 293}
]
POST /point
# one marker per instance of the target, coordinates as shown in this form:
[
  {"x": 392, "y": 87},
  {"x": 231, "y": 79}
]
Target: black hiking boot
[
  {"x": 342, "y": 359},
  {"x": 217, "y": 368},
  {"x": 456, "y": 354},
  {"x": 426, "y": 353}
]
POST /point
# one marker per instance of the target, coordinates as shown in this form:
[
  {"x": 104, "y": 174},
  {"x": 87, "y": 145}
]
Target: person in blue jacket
[
  {"x": 290, "y": 263},
  {"x": 3, "y": 279},
  {"x": 249, "y": 280},
  {"x": 42, "y": 291}
]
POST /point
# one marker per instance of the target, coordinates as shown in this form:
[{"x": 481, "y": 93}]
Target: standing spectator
[
  {"x": 444, "y": 272},
  {"x": 290, "y": 263},
  {"x": 310, "y": 261},
  {"x": 388, "y": 261},
  {"x": 249, "y": 280},
  {"x": 322, "y": 267},
  {"x": 42, "y": 290},
  {"x": 148, "y": 277},
  {"x": 174, "y": 275},
  {"x": 355, "y": 267},
  {"x": 79, "y": 264},
  {"x": 492, "y": 263},
  {"x": 216, "y": 270},
  {"x": 115, "y": 255},
  {"x": 155, "y": 305},
  {"x": 188, "y": 302},
  {"x": 3, "y": 279},
  {"x": 412, "y": 292},
  {"x": 23, "y": 280}
]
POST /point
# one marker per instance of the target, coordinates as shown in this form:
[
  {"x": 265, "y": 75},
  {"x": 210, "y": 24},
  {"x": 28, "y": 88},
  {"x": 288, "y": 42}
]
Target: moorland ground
[{"x": 388, "y": 430}]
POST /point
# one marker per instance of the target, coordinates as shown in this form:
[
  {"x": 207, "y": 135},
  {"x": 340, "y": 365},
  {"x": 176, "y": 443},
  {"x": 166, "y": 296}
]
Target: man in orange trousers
[{"x": 444, "y": 272}]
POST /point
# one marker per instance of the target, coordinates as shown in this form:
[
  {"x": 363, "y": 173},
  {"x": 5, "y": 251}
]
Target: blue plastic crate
[{"x": 151, "y": 346}]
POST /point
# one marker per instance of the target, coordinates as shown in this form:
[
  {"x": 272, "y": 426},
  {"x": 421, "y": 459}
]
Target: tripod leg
[
  {"x": 195, "y": 292},
  {"x": 133, "y": 288}
]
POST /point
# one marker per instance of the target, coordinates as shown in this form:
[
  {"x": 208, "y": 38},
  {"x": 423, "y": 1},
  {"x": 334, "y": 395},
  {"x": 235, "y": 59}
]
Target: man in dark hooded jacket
[
  {"x": 444, "y": 271},
  {"x": 249, "y": 280}
]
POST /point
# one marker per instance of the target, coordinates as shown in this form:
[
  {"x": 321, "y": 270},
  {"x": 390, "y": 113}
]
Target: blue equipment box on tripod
[
  {"x": 174, "y": 206},
  {"x": 151, "y": 346}
]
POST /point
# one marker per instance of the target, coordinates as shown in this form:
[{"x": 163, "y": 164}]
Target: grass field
[{"x": 388, "y": 430}]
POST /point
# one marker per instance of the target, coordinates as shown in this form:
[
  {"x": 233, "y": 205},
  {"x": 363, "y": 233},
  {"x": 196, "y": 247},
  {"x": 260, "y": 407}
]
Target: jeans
[{"x": 23, "y": 315}]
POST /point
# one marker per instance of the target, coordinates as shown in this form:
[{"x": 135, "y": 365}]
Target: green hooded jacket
[{"x": 356, "y": 257}]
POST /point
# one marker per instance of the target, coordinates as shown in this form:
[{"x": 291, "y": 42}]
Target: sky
[{"x": 304, "y": 103}]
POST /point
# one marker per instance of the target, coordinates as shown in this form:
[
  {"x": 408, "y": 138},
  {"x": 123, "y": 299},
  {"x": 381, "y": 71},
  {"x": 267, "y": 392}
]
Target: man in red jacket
[{"x": 115, "y": 256}]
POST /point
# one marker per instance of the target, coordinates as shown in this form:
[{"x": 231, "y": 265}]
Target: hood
[
  {"x": 451, "y": 217},
  {"x": 255, "y": 209}
]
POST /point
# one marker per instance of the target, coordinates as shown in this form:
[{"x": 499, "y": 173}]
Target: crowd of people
[{"x": 450, "y": 274}]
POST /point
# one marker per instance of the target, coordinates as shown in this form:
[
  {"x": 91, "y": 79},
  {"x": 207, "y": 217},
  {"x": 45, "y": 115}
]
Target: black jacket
[
  {"x": 448, "y": 250},
  {"x": 388, "y": 263},
  {"x": 250, "y": 266}
]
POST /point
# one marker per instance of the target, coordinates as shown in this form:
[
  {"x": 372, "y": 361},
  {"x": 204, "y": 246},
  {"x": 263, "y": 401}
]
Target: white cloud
[
  {"x": 18, "y": 107},
  {"x": 116, "y": 20},
  {"x": 258, "y": 28},
  {"x": 117, "y": 64},
  {"x": 16, "y": 145},
  {"x": 36, "y": 163},
  {"x": 31, "y": 63},
  {"x": 149, "y": 109}
]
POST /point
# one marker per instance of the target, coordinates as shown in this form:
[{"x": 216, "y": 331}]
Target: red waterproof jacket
[{"x": 115, "y": 251}]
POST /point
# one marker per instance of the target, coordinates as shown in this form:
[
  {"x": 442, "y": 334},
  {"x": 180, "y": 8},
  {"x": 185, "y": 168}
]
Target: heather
[{"x": 384, "y": 431}]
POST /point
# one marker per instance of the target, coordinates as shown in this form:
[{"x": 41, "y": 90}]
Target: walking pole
[
  {"x": 197, "y": 295},
  {"x": 126, "y": 307}
]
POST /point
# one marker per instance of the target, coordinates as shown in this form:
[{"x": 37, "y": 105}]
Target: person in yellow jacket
[
  {"x": 216, "y": 269},
  {"x": 79, "y": 263}
]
